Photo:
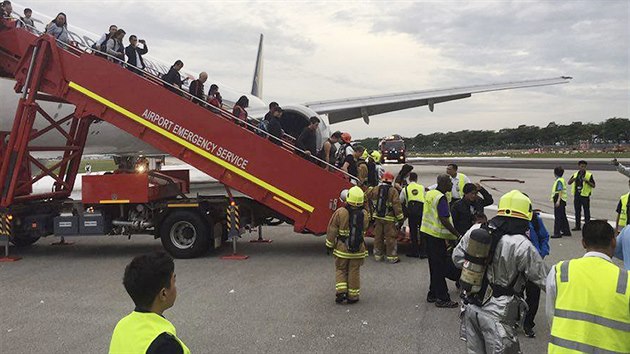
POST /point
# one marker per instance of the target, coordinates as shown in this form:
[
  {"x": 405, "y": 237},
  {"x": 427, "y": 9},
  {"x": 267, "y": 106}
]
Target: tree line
[{"x": 612, "y": 131}]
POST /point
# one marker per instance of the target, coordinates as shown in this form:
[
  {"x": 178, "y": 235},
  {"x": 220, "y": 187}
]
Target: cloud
[{"x": 326, "y": 50}]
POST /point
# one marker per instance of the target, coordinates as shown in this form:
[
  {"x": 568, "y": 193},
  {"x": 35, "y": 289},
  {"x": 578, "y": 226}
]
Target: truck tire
[
  {"x": 23, "y": 241},
  {"x": 185, "y": 234}
]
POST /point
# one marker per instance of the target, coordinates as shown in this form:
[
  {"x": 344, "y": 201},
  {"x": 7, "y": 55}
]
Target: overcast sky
[{"x": 336, "y": 49}]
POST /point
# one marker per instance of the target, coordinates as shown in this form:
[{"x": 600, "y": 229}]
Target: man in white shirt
[{"x": 458, "y": 179}]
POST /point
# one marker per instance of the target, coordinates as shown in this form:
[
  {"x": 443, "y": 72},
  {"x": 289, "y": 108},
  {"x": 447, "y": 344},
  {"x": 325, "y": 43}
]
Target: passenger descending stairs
[{"x": 235, "y": 155}]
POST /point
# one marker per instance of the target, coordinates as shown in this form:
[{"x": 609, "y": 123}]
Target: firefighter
[
  {"x": 492, "y": 310},
  {"x": 345, "y": 236},
  {"x": 362, "y": 168},
  {"x": 376, "y": 157},
  {"x": 387, "y": 212}
]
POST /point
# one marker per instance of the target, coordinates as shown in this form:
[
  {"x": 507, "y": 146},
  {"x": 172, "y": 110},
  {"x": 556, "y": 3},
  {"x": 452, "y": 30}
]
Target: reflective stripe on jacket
[
  {"x": 431, "y": 223},
  {"x": 592, "y": 310},
  {"x": 136, "y": 331},
  {"x": 394, "y": 207}
]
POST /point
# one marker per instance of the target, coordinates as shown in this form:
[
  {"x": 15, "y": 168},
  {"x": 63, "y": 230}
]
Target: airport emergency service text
[{"x": 195, "y": 139}]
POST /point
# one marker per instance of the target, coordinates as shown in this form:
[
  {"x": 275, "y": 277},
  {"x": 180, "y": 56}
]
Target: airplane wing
[{"x": 341, "y": 110}]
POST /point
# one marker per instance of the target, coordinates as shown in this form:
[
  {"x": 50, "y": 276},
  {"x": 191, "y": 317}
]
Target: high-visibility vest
[
  {"x": 135, "y": 333},
  {"x": 414, "y": 192},
  {"x": 563, "y": 192},
  {"x": 431, "y": 224},
  {"x": 461, "y": 181},
  {"x": 592, "y": 310},
  {"x": 623, "y": 214},
  {"x": 586, "y": 188}
]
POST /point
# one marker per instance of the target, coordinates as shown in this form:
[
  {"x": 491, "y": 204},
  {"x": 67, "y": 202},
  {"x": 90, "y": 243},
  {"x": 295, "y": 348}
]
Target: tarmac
[{"x": 69, "y": 298}]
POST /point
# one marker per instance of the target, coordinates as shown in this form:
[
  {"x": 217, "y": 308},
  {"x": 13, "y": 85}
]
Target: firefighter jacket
[
  {"x": 362, "y": 173},
  {"x": 393, "y": 211},
  {"x": 338, "y": 234},
  {"x": 515, "y": 261}
]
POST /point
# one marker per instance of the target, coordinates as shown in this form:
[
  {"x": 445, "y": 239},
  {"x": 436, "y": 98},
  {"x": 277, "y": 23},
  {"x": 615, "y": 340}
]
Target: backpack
[
  {"x": 341, "y": 155},
  {"x": 263, "y": 125},
  {"x": 103, "y": 46},
  {"x": 356, "y": 222},
  {"x": 383, "y": 198}
]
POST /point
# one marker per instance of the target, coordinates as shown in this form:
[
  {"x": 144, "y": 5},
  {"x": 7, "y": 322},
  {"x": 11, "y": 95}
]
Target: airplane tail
[{"x": 257, "y": 84}]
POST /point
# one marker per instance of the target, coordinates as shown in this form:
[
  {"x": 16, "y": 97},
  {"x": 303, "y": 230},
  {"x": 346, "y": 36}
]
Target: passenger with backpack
[
  {"x": 101, "y": 44},
  {"x": 345, "y": 149},
  {"x": 115, "y": 47}
]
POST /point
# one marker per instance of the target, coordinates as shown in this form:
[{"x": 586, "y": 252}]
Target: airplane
[{"x": 105, "y": 139}]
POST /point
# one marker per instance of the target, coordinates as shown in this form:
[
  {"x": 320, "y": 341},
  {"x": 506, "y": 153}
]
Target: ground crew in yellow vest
[
  {"x": 387, "y": 212},
  {"x": 493, "y": 307},
  {"x": 583, "y": 185},
  {"x": 623, "y": 210},
  {"x": 588, "y": 298},
  {"x": 559, "y": 198},
  {"x": 437, "y": 225},
  {"x": 150, "y": 282},
  {"x": 345, "y": 236},
  {"x": 412, "y": 198}
]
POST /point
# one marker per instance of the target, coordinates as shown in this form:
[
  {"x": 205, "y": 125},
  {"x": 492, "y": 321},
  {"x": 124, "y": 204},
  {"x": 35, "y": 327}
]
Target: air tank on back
[{"x": 475, "y": 260}]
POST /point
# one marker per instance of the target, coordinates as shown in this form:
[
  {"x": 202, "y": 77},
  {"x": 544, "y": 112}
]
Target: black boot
[
  {"x": 341, "y": 297},
  {"x": 353, "y": 301}
]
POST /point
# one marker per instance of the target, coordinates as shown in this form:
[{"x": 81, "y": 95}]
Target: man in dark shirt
[
  {"x": 350, "y": 161},
  {"x": 583, "y": 184},
  {"x": 173, "y": 78},
  {"x": 272, "y": 107},
  {"x": 196, "y": 87},
  {"x": 134, "y": 54},
  {"x": 463, "y": 211},
  {"x": 307, "y": 141},
  {"x": 150, "y": 282},
  {"x": 328, "y": 151},
  {"x": 274, "y": 127}
]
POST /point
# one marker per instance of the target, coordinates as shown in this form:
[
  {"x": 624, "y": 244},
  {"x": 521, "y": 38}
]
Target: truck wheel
[
  {"x": 23, "y": 241},
  {"x": 184, "y": 234}
]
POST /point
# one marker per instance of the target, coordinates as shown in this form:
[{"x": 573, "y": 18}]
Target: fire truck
[
  {"x": 273, "y": 177},
  {"x": 393, "y": 149}
]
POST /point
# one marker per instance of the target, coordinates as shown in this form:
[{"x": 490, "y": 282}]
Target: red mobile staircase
[{"x": 47, "y": 71}]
